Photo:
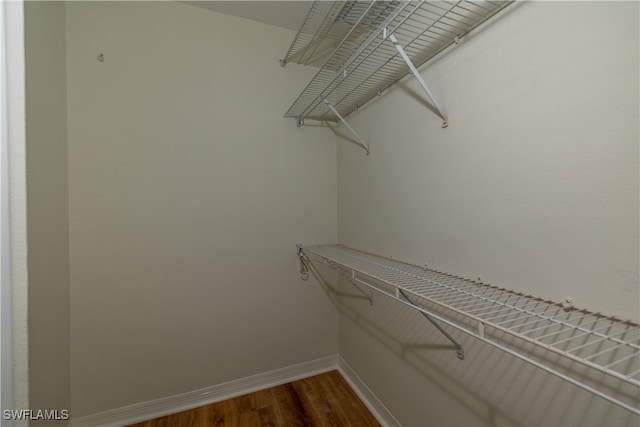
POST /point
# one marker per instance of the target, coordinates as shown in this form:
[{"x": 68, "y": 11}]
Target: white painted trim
[
  {"x": 17, "y": 175},
  {"x": 169, "y": 405},
  {"x": 377, "y": 408},
  {"x": 6, "y": 368}
]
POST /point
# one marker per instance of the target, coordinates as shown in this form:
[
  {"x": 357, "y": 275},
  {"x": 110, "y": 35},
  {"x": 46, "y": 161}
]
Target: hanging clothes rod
[
  {"x": 603, "y": 344},
  {"x": 359, "y": 63}
]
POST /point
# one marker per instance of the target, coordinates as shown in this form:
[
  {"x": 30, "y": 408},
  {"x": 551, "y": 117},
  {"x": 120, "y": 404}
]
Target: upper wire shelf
[
  {"x": 349, "y": 41},
  {"x": 604, "y": 343}
]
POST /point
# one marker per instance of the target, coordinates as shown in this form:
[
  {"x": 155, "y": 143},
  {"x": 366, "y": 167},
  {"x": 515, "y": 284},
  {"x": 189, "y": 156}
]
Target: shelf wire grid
[
  {"x": 364, "y": 63},
  {"x": 605, "y": 343},
  {"x": 314, "y": 37}
]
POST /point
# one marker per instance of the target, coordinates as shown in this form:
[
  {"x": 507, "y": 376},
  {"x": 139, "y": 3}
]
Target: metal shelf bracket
[
  {"x": 606, "y": 345},
  {"x": 348, "y": 126},
  {"x": 416, "y": 74},
  {"x": 304, "y": 263},
  {"x": 459, "y": 349},
  {"x": 344, "y": 39}
]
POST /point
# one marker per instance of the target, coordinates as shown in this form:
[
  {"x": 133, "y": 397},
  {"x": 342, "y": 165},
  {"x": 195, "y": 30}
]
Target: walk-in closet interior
[{"x": 439, "y": 199}]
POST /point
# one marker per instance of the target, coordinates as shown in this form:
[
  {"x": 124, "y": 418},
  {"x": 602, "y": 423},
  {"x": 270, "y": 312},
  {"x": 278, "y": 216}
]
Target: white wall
[
  {"x": 47, "y": 215},
  {"x": 187, "y": 194},
  {"x": 533, "y": 187}
]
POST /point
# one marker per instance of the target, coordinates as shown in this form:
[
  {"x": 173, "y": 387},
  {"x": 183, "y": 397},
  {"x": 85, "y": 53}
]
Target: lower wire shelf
[{"x": 604, "y": 344}]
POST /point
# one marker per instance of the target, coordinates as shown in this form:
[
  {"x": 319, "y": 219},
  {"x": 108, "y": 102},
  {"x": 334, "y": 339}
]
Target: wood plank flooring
[{"x": 321, "y": 400}]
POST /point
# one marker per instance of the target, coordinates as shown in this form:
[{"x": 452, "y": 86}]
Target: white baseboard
[
  {"x": 384, "y": 417},
  {"x": 170, "y": 405}
]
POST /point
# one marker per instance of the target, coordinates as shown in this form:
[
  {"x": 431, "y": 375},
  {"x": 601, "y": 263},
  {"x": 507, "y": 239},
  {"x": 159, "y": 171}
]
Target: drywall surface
[
  {"x": 533, "y": 187},
  {"x": 188, "y": 192},
  {"x": 47, "y": 214}
]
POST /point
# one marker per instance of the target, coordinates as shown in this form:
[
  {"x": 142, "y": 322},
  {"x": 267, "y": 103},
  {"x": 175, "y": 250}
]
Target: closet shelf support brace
[
  {"x": 344, "y": 122},
  {"x": 416, "y": 74},
  {"x": 459, "y": 349}
]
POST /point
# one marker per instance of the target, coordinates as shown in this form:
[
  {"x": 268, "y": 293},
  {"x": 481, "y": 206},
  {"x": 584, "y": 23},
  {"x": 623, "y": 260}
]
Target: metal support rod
[
  {"x": 520, "y": 356},
  {"x": 416, "y": 74},
  {"x": 351, "y": 279},
  {"x": 529, "y": 360},
  {"x": 437, "y": 325},
  {"x": 386, "y": 286},
  {"x": 344, "y": 122}
]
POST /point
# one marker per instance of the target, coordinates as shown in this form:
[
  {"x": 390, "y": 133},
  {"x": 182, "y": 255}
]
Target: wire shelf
[
  {"x": 604, "y": 343},
  {"x": 350, "y": 39}
]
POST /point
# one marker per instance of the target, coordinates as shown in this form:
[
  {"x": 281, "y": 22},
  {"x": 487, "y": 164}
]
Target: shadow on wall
[{"x": 496, "y": 387}]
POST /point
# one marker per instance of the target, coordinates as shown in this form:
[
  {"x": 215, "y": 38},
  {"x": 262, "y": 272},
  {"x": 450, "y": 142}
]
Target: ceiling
[{"x": 286, "y": 14}]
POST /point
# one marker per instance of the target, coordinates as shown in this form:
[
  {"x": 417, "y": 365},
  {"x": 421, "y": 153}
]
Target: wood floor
[{"x": 321, "y": 400}]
